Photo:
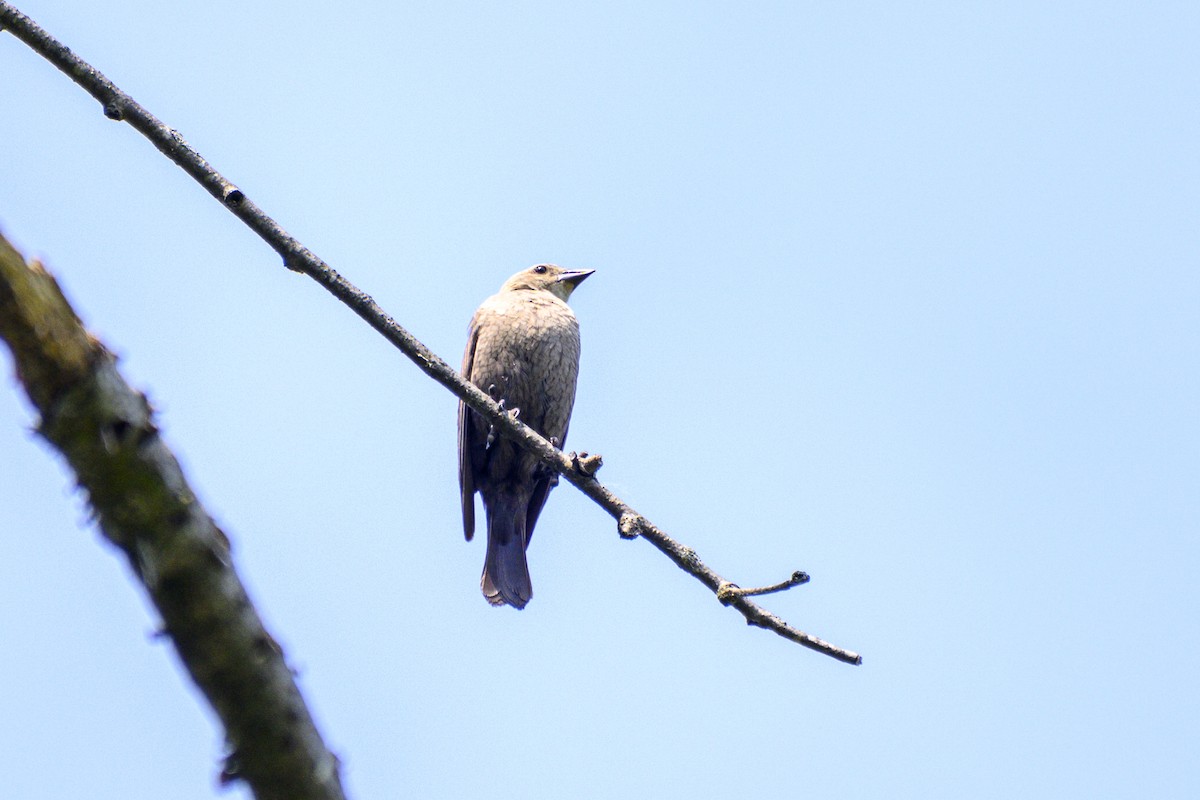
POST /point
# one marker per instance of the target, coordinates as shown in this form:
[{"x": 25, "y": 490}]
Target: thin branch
[
  {"x": 120, "y": 106},
  {"x": 106, "y": 431},
  {"x": 728, "y": 591}
]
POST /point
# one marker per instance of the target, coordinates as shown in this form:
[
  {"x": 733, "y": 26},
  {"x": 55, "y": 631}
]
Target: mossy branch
[{"x": 106, "y": 432}]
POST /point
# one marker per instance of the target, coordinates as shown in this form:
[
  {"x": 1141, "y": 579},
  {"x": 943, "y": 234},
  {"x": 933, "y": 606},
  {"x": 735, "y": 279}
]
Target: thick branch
[
  {"x": 106, "y": 432},
  {"x": 120, "y": 106}
]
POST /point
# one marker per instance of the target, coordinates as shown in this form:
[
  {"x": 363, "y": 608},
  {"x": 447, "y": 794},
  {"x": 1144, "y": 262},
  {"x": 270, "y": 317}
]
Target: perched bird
[{"x": 522, "y": 350}]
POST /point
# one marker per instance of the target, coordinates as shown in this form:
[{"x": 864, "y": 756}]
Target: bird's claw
[{"x": 511, "y": 413}]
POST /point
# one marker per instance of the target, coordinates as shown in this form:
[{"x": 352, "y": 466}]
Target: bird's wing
[
  {"x": 466, "y": 480},
  {"x": 541, "y": 490}
]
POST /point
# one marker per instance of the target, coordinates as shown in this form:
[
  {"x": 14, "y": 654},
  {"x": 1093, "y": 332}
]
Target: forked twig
[{"x": 726, "y": 592}]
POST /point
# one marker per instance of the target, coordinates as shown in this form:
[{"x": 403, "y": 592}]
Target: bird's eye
[{"x": 540, "y": 269}]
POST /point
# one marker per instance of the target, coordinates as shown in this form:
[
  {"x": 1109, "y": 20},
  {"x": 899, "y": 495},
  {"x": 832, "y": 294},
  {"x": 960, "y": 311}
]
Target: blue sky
[{"x": 902, "y": 296}]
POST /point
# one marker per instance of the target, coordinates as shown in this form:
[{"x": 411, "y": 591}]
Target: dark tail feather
[{"x": 505, "y": 571}]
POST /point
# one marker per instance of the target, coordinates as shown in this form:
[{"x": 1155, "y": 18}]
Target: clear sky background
[{"x": 902, "y": 295}]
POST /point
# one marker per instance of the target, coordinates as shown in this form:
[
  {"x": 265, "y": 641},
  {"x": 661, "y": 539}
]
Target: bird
[{"x": 523, "y": 351}]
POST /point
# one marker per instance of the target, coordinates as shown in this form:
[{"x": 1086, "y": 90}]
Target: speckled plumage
[{"x": 523, "y": 350}]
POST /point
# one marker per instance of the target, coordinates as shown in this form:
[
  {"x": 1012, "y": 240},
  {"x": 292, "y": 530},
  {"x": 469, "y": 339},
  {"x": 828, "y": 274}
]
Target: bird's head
[{"x": 547, "y": 277}]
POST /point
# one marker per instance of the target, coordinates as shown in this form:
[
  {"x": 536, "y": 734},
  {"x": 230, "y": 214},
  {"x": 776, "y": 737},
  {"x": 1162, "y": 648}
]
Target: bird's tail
[{"x": 505, "y": 570}]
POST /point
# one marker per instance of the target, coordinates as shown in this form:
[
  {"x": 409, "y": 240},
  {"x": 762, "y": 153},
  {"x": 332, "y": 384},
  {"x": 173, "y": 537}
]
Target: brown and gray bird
[{"x": 523, "y": 350}]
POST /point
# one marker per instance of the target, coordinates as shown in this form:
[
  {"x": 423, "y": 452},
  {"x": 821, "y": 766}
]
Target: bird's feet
[{"x": 514, "y": 413}]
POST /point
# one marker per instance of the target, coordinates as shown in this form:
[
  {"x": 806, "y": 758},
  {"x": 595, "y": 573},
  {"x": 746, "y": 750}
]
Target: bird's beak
[{"x": 574, "y": 277}]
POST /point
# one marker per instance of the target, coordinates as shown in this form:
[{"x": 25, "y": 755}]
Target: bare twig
[
  {"x": 106, "y": 432},
  {"x": 728, "y": 591},
  {"x": 120, "y": 106}
]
